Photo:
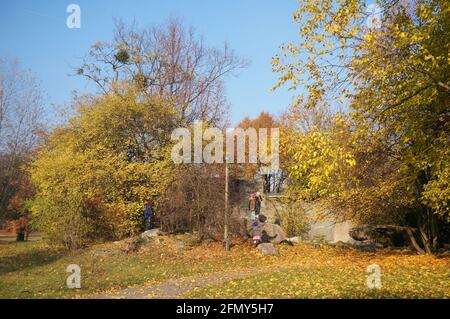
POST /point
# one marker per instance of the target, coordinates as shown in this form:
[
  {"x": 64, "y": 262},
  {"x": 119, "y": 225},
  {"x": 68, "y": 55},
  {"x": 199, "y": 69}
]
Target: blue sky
[{"x": 35, "y": 32}]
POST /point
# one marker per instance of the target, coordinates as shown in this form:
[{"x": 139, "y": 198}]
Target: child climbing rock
[
  {"x": 256, "y": 232},
  {"x": 258, "y": 201}
]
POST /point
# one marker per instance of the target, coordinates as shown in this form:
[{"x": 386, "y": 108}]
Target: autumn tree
[
  {"x": 263, "y": 121},
  {"x": 93, "y": 175},
  {"x": 390, "y": 68},
  {"x": 21, "y": 127},
  {"x": 194, "y": 201},
  {"x": 169, "y": 60},
  {"x": 18, "y": 209},
  {"x": 296, "y": 121}
]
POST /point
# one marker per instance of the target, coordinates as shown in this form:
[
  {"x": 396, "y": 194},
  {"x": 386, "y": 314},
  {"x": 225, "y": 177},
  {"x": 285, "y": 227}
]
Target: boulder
[
  {"x": 361, "y": 232},
  {"x": 151, "y": 233},
  {"x": 294, "y": 240},
  {"x": 341, "y": 244},
  {"x": 268, "y": 249},
  {"x": 131, "y": 245},
  {"x": 366, "y": 245},
  {"x": 275, "y": 232},
  {"x": 102, "y": 252},
  {"x": 248, "y": 225},
  {"x": 386, "y": 235}
]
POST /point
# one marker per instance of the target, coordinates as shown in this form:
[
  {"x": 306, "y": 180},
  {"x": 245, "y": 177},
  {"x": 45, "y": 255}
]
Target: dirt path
[{"x": 173, "y": 288}]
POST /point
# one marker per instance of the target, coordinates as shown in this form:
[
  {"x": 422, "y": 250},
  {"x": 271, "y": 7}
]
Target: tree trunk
[
  {"x": 20, "y": 235},
  {"x": 425, "y": 215},
  {"x": 424, "y": 232},
  {"x": 434, "y": 229},
  {"x": 414, "y": 242}
]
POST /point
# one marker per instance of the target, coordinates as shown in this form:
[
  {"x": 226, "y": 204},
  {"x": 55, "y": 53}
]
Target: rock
[
  {"x": 343, "y": 245},
  {"x": 294, "y": 240},
  {"x": 151, "y": 233},
  {"x": 268, "y": 249},
  {"x": 131, "y": 245},
  {"x": 367, "y": 245},
  {"x": 102, "y": 252},
  {"x": 386, "y": 235},
  {"x": 248, "y": 224},
  {"x": 361, "y": 232},
  {"x": 275, "y": 232}
]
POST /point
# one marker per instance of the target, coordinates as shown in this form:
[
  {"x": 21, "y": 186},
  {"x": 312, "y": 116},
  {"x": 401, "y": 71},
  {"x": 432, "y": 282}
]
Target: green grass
[{"x": 36, "y": 270}]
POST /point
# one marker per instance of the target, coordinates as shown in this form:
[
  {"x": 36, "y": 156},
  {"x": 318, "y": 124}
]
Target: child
[
  {"x": 256, "y": 240},
  {"x": 252, "y": 206},
  {"x": 256, "y": 233},
  {"x": 258, "y": 200}
]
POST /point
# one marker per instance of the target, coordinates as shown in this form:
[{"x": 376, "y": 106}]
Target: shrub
[
  {"x": 93, "y": 176},
  {"x": 294, "y": 220}
]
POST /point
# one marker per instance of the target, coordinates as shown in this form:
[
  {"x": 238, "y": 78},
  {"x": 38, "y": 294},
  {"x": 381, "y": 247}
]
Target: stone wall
[
  {"x": 272, "y": 205},
  {"x": 320, "y": 228}
]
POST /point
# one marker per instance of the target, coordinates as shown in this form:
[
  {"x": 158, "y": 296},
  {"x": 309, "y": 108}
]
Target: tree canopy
[
  {"x": 389, "y": 152},
  {"x": 94, "y": 175}
]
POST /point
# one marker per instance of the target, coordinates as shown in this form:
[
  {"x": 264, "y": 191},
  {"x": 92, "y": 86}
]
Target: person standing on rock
[
  {"x": 258, "y": 201},
  {"x": 148, "y": 212},
  {"x": 252, "y": 206}
]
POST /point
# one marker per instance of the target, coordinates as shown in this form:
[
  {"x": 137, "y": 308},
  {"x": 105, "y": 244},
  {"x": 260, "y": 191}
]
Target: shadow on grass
[{"x": 29, "y": 258}]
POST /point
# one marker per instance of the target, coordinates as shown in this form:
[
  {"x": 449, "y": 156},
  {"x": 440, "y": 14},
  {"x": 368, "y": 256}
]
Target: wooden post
[{"x": 225, "y": 228}]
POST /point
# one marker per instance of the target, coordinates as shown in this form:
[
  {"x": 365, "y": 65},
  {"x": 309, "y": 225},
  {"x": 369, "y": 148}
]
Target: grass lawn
[
  {"x": 36, "y": 270},
  {"x": 325, "y": 282}
]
